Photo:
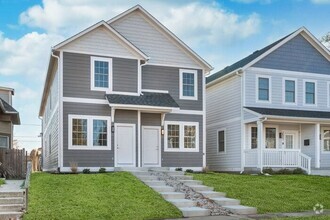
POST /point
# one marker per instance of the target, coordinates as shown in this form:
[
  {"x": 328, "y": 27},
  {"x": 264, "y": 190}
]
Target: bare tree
[{"x": 326, "y": 40}]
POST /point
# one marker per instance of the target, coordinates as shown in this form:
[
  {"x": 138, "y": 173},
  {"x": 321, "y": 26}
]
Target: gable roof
[
  {"x": 9, "y": 110},
  {"x": 259, "y": 54},
  {"x": 171, "y": 35}
]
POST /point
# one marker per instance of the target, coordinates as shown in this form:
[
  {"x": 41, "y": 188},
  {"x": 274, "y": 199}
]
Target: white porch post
[
  {"x": 260, "y": 125},
  {"x": 317, "y": 145}
]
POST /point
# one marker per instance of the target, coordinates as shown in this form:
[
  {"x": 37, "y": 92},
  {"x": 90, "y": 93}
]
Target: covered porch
[{"x": 286, "y": 139}]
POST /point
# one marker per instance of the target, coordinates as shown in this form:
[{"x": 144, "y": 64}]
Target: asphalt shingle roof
[
  {"x": 7, "y": 109},
  {"x": 146, "y": 98},
  {"x": 290, "y": 113}
]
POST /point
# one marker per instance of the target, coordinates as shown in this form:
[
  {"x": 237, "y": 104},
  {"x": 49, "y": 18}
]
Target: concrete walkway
[{"x": 12, "y": 186}]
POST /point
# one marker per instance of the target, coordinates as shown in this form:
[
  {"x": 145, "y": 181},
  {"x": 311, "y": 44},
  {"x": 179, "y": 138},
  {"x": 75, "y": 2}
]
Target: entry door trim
[
  {"x": 134, "y": 143},
  {"x": 159, "y": 144},
  {"x": 295, "y": 139}
]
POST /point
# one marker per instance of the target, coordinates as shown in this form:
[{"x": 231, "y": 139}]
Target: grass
[
  {"x": 270, "y": 194},
  {"x": 95, "y": 196}
]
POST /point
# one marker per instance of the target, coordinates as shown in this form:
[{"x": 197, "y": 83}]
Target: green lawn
[
  {"x": 95, "y": 196},
  {"x": 278, "y": 193}
]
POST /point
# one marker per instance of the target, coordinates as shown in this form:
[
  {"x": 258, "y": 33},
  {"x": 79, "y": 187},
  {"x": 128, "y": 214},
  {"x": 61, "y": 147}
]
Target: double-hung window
[
  {"x": 89, "y": 132},
  {"x": 221, "y": 141},
  {"x": 310, "y": 92},
  {"x": 101, "y": 73},
  {"x": 181, "y": 136},
  {"x": 264, "y": 89},
  {"x": 290, "y": 91},
  {"x": 188, "y": 84},
  {"x": 4, "y": 142}
]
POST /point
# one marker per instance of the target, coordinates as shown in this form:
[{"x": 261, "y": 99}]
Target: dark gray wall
[
  {"x": 296, "y": 55},
  {"x": 167, "y": 78},
  {"x": 77, "y": 72}
]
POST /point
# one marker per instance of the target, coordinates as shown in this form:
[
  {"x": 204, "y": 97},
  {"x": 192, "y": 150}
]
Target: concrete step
[
  {"x": 212, "y": 194},
  {"x": 141, "y": 174},
  {"x": 226, "y": 201},
  {"x": 155, "y": 183},
  {"x": 191, "y": 182},
  {"x": 173, "y": 172},
  {"x": 172, "y": 195},
  {"x": 11, "y": 194},
  {"x": 158, "y": 169},
  {"x": 194, "y": 211},
  {"x": 182, "y": 177},
  {"x": 11, "y": 200},
  {"x": 11, "y": 215},
  {"x": 180, "y": 203},
  {"x": 163, "y": 188},
  {"x": 147, "y": 178},
  {"x": 240, "y": 209},
  {"x": 129, "y": 169},
  {"x": 11, "y": 207},
  {"x": 201, "y": 188}
]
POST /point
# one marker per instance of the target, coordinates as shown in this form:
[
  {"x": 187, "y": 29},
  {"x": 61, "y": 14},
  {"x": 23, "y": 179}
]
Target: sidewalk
[{"x": 12, "y": 186}]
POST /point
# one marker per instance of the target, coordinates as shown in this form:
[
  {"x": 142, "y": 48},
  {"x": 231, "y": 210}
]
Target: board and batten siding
[
  {"x": 223, "y": 103},
  {"x": 77, "y": 76},
  {"x": 152, "y": 41},
  {"x": 168, "y": 78}
]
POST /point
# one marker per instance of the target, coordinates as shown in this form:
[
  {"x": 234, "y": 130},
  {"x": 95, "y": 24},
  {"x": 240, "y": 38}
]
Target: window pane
[
  {"x": 310, "y": 87},
  {"x": 263, "y": 95},
  {"x": 270, "y": 137},
  {"x": 310, "y": 93},
  {"x": 189, "y": 136},
  {"x": 221, "y": 141},
  {"x": 263, "y": 83},
  {"x": 310, "y": 98},
  {"x": 79, "y": 132},
  {"x": 4, "y": 142},
  {"x": 188, "y": 84},
  {"x": 263, "y": 88},
  {"x": 173, "y": 136},
  {"x": 290, "y": 91},
  {"x": 101, "y": 74},
  {"x": 254, "y": 137},
  {"x": 326, "y": 140},
  {"x": 100, "y": 134}
]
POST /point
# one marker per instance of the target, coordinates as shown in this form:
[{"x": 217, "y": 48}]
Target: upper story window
[
  {"x": 264, "y": 88},
  {"x": 188, "y": 84},
  {"x": 310, "y": 92},
  {"x": 4, "y": 142},
  {"x": 101, "y": 73},
  {"x": 290, "y": 91}
]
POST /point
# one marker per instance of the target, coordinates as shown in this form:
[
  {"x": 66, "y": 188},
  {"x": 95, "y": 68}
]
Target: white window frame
[
  {"x": 181, "y": 133},
  {"x": 102, "y": 59},
  {"x": 225, "y": 140},
  {"x": 270, "y": 89},
  {"x": 322, "y": 140},
  {"x": 277, "y": 134},
  {"x": 3, "y": 136},
  {"x": 250, "y": 137},
  {"x": 89, "y": 145},
  {"x": 195, "y": 97},
  {"x": 304, "y": 86},
  {"x": 295, "y": 91}
]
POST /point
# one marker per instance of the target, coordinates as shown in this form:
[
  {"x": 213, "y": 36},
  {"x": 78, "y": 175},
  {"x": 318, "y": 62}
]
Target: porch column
[
  {"x": 317, "y": 145},
  {"x": 260, "y": 129}
]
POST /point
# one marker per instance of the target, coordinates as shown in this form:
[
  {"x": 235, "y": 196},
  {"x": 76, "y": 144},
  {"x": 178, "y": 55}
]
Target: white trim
[
  {"x": 195, "y": 73},
  {"x": 85, "y": 100},
  {"x": 225, "y": 140},
  {"x": 93, "y": 59},
  {"x": 317, "y": 145},
  {"x": 276, "y": 136},
  {"x": 142, "y": 107},
  {"x": 187, "y": 168},
  {"x": 287, "y": 73},
  {"x": 204, "y": 118},
  {"x": 98, "y": 54},
  {"x": 60, "y": 129},
  {"x": 181, "y": 136},
  {"x": 296, "y": 145},
  {"x": 159, "y": 145},
  {"x": 322, "y": 140},
  {"x": 3, "y": 136},
  {"x": 89, "y": 145},
  {"x": 154, "y": 90},
  {"x": 304, "y": 91},
  {"x": 139, "y": 137},
  {"x": 134, "y": 141},
  {"x": 249, "y": 139},
  {"x": 284, "y": 91},
  {"x": 124, "y": 93},
  {"x": 269, "y": 89},
  {"x": 187, "y": 112},
  {"x": 139, "y": 76},
  {"x": 80, "y": 169},
  {"x": 328, "y": 94},
  {"x": 173, "y": 65}
]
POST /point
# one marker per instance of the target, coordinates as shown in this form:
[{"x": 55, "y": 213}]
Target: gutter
[{"x": 235, "y": 72}]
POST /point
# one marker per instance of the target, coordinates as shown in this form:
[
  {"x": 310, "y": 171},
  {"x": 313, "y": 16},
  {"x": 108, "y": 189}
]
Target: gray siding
[
  {"x": 248, "y": 115},
  {"x": 167, "y": 78},
  {"x": 86, "y": 158},
  {"x": 150, "y": 119},
  {"x": 77, "y": 76},
  {"x": 296, "y": 55},
  {"x": 184, "y": 159},
  {"x": 5, "y": 127}
]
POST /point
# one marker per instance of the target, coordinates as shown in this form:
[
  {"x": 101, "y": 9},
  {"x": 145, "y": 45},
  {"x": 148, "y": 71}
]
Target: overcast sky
[{"x": 220, "y": 31}]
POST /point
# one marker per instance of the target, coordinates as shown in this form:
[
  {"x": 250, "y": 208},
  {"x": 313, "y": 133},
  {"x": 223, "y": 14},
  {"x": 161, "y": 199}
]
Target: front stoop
[{"x": 11, "y": 204}]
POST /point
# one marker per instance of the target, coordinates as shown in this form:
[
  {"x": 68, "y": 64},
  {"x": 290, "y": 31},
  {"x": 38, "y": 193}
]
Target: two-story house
[
  {"x": 8, "y": 117},
  {"x": 272, "y": 108},
  {"x": 124, "y": 93}
]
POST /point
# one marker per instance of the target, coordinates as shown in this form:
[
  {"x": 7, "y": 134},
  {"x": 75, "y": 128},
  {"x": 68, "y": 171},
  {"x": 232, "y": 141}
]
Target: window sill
[
  {"x": 88, "y": 148},
  {"x": 188, "y": 98},
  {"x": 181, "y": 150}
]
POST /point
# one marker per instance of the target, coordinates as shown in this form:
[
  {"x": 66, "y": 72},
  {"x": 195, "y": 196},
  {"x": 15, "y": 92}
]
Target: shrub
[
  {"x": 189, "y": 171},
  {"x": 178, "y": 169},
  {"x": 298, "y": 171},
  {"x": 205, "y": 169},
  {"x": 86, "y": 171},
  {"x": 284, "y": 171},
  {"x": 102, "y": 170},
  {"x": 74, "y": 167},
  {"x": 268, "y": 170}
]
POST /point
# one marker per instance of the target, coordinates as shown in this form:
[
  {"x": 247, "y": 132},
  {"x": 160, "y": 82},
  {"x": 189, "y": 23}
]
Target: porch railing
[{"x": 284, "y": 158}]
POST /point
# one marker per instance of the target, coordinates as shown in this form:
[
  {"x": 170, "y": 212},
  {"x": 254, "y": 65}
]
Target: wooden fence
[{"x": 13, "y": 163}]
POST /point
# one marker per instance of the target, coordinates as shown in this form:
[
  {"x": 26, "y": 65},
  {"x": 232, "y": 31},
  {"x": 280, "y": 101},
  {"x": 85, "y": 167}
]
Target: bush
[
  {"x": 102, "y": 170},
  {"x": 74, "y": 167},
  {"x": 298, "y": 171},
  {"x": 189, "y": 171},
  {"x": 268, "y": 170},
  {"x": 178, "y": 169},
  {"x": 284, "y": 171},
  {"x": 86, "y": 171}
]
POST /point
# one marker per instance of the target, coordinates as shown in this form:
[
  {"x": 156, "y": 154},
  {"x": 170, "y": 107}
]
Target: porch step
[
  {"x": 141, "y": 173},
  {"x": 131, "y": 169},
  {"x": 182, "y": 177},
  {"x": 194, "y": 212},
  {"x": 172, "y": 195},
  {"x": 152, "y": 183},
  {"x": 212, "y": 194},
  {"x": 147, "y": 178},
  {"x": 201, "y": 187},
  {"x": 158, "y": 169},
  {"x": 182, "y": 202},
  {"x": 240, "y": 209},
  {"x": 163, "y": 188},
  {"x": 11, "y": 207},
  {"x": 223, "y": 201},
  {"x": 11, "y": 194},
  {"x": 191, "y": 182},
  {"x": 11, "y": 200},
  {"x": 11, "y": 215}
]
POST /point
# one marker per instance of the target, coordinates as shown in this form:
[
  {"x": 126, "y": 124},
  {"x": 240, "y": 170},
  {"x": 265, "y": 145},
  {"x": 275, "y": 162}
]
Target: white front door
[
  {"x": 125, "y": 145},
  {"x": 290, "y": 140},
  {"x": 151, "y": 146}
]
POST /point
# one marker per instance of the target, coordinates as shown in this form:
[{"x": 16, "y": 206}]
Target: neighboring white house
[{"x": 272, "y": 108}]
